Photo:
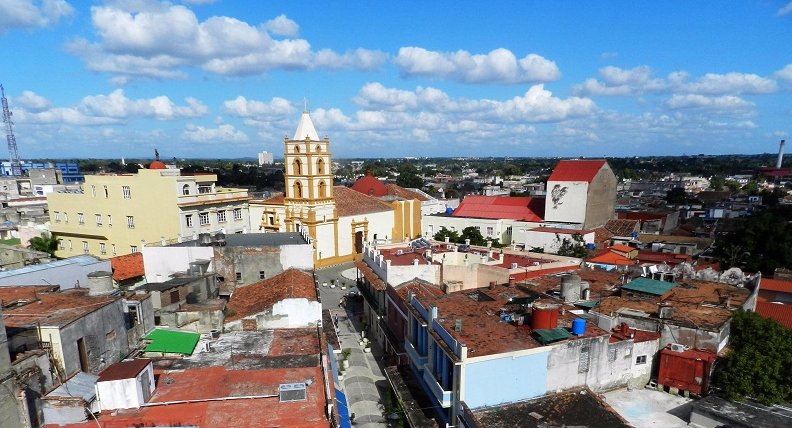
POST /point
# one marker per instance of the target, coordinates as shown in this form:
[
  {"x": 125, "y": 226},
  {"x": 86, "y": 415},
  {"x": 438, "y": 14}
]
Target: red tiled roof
[
  {"x": 396, "y": 190},
  {"x": 123, "y": 370},
  {"x": 127, "y": 266},
  {"x": 274, "y": 200},
  {"x": 601, "y": 236},
  {"x": 576, "y": 170},
  {"x": 667, "y": 258},
  {"x": 775, "y": 311},
  {"x": 608, "y": 257},
  {"x": 23, "y": 293},
  {"x": 370, "y": 185},
  {"x": 622, "y": 227},
  {"x": 369, "y": 274},
  {"x": 350, "y": 202},
  {"x": 260, "y": 296},
  {"x": 501, "y": 207},
  {"x": 770, "y": 284},
  {"x": 56, "y": 309},
  {"x": 622, "y": 248}
]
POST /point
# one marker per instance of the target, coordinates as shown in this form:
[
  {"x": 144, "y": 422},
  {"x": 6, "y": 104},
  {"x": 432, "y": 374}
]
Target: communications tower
[{"x": 13, "y": 153}]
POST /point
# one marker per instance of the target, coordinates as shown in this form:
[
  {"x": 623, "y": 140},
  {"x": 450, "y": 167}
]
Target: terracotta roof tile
[
  {"x": 260, "y": 296},
  {"x": 23, "y": 294},
  {"x": 577, "y": 170},
  {"x": 608, "y": 257},
  {"x": 350, "y": 203},
  {"x": 56, "y": 309},
  {"x": 623, "y": 227},
  {"x": 274, "y": 200},
  {"x": 776, "y": 311},
  {"x": 601, "y": 236},
  {"x": 501, "y": 207},
  {"x": 771, "y": 284},
  {"x": 396, "y": 190},
  {"x": 370, "y": 185},
  {"x": 127, "y": 266},
  {"x": 369, "y": 274}
]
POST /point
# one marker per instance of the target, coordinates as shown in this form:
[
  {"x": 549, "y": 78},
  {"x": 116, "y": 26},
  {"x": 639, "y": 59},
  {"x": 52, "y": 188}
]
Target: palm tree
[{"x": 46, "y": 243}]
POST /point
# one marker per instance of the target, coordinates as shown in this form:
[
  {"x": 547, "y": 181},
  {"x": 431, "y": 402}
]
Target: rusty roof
[
  {"x": 23, "y": 294},
  {"x": 123, "y": 370},
  {"x": 601, "y": 283},
  {"x": 483, "y": 330},
  {"x": 369, "y": 274},
  {"x": 127, "y": 266},
  {"x": 396, "y": 190},
  {"x": 622, "y": 227},
  {"x": 260, "y": 296},
  {"x": 273, "y": 200},
  {"x": 56, "y": 309},
  {"x": 417, "y": 287},
  {"x": 350, "y": 202}
]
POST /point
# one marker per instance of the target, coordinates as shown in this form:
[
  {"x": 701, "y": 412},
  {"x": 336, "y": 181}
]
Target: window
[
  {"x": 80, "y": 218},
  {"x": 188, "y": 219},
  {"x": 65, "y": 217},
  {"x": 297, "y": 167},
  {"x": 186, "y": 189},
  {"x": 220, "y": 279},
  {"x": 318, "y": 148},
  {"x": 107, "y": 194},
  {"x": 61, "y": 244},
  {"x": 109, "y": 220},
  {"x": 237, "y": 213},
  {"x": 612, "y": 354},
  {"x": 98, "y": 219},
  {"x": 203, "y": 218},
  {"x": 641, "y": 359},
  {"x": 57, "y": 217},
  {"x": 204, "y": 188},
  {"x": 262, "y": 275},
  {"x": 85, "y": 247},
  {"x": 271, "y": 220},
  {"x": 127, "y": 193},
  {"x": 130, "y": 222},
  {"x": 322, "y": 189},
  {"x": 174, "y": 296},
  {"x": 112, "y": 246},
  {"x": 133, "y": 249},
  {"x": 239, "y": 276},
  {"x": 490, "y": 230},
  {"x": 102, "y": 248},
  {"x": 93, "y": 190},
  {"x": 297, "y": 189},
  {"x": 320, "y": 166},
  {"x": 509, "y": 230},
  {"x": 221, "y": 216}
]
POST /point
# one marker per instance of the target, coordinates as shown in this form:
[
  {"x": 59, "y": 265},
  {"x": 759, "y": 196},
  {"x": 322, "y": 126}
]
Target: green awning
[
  {"x": 172, "y": 342},
  {"x": 649, "y": 286},
  {"x": 587, "y": 304},
  {"x": 551, "y": 335}
]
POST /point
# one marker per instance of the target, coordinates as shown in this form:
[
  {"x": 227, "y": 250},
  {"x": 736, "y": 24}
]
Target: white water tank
[
  {"x": 100, "y": 283},
  {"x": 570, "y": 287}
]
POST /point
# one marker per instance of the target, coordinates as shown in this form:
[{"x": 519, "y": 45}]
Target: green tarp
[
  {"x": 172, "y": 342},
  {"x": 551, "y": 335}
]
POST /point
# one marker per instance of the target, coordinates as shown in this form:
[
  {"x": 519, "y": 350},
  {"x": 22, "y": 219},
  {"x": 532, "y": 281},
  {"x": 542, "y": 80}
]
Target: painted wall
[
  {"x": 571, "y": 208},
  {"x": 125, "y": 393},
  {"x": 503, "y": 380},
  {"x": 162, "y": 262},
  {"x": 601, "y": 201}
]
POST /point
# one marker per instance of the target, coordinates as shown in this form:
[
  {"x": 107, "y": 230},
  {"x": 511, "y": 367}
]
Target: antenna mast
[{"x": 13, "y": 153}]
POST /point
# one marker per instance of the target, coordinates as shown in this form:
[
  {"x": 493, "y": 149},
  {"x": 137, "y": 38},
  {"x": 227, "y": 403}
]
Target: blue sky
[{"x": 224, "y": 79}]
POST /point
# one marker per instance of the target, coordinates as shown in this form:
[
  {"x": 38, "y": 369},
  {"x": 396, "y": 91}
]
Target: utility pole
[{"x": 13, "y": 153}]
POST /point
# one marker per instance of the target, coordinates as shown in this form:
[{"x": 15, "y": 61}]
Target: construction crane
[{"x": 13, "y": 153}]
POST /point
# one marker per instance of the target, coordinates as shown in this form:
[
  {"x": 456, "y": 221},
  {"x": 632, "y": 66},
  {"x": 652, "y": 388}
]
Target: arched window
[
  {"x": 320, "y": 166},
  {"x": 318, "y": 148},
  {"x": 322, "y": 189},
  {"x": 186, "y": 189},
  {"x": 297, "y": 167},
  {"x": 298, "y": 189},
  {"x": 296, "y": 149}
]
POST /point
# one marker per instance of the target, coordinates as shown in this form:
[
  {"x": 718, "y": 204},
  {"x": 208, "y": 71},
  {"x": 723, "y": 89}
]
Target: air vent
[{"x": 292, "y": 392}]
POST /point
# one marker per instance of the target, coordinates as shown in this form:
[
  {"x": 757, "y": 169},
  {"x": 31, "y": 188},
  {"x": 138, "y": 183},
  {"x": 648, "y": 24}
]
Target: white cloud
[
  {"x": 497, "y": 66},
  {"x": 223, "y": 133},
  {"x": 723, "y": 104},
  {"x": 784, "y": 73},
  {"x": 242, "y": 107},
  {"x": 785, "y": 10},
  {"x": 160, "y": 40},
  {"x": 31, "y": 101},
  {"x": 32, "y": 14},
  {"x": 615, "y": 81},
  {"x": 282, "y": 26}
]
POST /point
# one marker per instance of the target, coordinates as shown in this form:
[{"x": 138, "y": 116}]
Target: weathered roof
[
  {"x": 81, "y": 385},
  {"x": 127, "y": 266},
  {"x": 351, "y": 203},
  {"x": 123, "y": 370},
  {"x": 546, "y": 336},
  {"x": 16, "y": 295},
  {"x": 305, "y": 128},
  {"x": 577, "y": 170},
  {"x": 622, "y": 227},
  {"x": 56, "y": 309},
  {"x": 171, "y": 341},
  {"x": 608, "y": 257},
  {"x": 396, "y": 190},
  {"x": 737, "y": 414},
  {"x": 370, "y": 275},
  {"x": 261, "y": 296},
  {"x": 501, "y": 207},
  {"x": 649, "y": 286}
]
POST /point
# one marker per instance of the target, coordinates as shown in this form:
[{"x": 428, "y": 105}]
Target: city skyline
[{"x": 203, "y": 79}]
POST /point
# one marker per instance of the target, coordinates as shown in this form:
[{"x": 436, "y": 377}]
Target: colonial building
[
  {"x": 117, "y": 214},
  {"x": 338, "y": 219}
]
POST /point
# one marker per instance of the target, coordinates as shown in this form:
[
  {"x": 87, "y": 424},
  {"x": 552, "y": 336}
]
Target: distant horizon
[{"x": 221, "y": 79}]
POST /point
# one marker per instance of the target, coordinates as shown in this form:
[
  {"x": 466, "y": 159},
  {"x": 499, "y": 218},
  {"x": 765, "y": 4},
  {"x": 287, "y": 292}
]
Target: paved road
[{"x": 365, "y": 373}]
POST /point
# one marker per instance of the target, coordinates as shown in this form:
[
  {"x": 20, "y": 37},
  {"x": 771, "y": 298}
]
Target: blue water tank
[
  {"x": 578, "y": 326},
  {"x": 449, "y": 211}
]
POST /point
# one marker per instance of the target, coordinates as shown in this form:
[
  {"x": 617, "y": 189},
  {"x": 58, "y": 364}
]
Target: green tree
[
  {"x": 761, "y": 242},
  {"x": 443, "y": 232},
  {"x": 408, "y": 176},
  {"x": 717, "y": 183},
  {"x": 475, "y": 236},
  {"x": 677, "y": 195},
  {"x": 46, "y": 243},
  {"x": 575, "y": 247},
  {"x": 759, "y": 365}
]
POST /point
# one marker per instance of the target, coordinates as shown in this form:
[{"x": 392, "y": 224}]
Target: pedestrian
[{"x": 335, "y": 319}]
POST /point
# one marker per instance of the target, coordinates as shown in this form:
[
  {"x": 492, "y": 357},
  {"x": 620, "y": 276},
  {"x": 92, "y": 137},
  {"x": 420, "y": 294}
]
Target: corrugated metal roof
[
  {"x": 78, "y": 260},
  {"x": 649, "y": 286},
  {"x": 576, "y": 170},
  {"x": 81, "y": 385}
]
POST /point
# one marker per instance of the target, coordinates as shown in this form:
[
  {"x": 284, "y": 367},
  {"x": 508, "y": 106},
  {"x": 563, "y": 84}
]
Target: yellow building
[
  {"x": 340, "y": 220},
  {"x": 117, "y": 214}
]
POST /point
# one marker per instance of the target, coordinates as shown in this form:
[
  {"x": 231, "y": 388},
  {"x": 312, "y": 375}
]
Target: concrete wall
[
  {"x": 161, "y": 262},
  {"x": 9, "y": 411},
  {"x": 565, "y": 362},
  {"x": 125, "y": 393},
  {"x": 570, "y": 208},
  {"x": 287, "y": 313},
  {"x": 551, "y": 242},
  {"x": 601, "y": 200},
  {"x": 34, "y": 378},
  {"x": 251, "y": 261},
  {"x": 642, "y": 373},
  {"x": 431, "y": 224},
  {"x": 502, "y": 380}
]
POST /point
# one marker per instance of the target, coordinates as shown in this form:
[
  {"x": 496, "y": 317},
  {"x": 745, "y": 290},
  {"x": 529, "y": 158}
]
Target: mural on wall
[{"x": 557, "y": 194}]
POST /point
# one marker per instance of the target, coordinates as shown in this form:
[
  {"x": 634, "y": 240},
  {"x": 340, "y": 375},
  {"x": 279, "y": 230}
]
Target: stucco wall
[
  {"x": 601, "y": 202},
  {"x": 161, "y": 262},
  {"x": 570, "y": 208},
  {"x": 105, "y": 336},
  {"x": 503, "y": 380}
]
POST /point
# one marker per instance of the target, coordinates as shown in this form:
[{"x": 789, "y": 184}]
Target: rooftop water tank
[
  {"x": 570, "y": 287},
  {"x": 100, "y": 283},
  {"x": 579, "y": 327},
  {"x": 544, "y": 317}
]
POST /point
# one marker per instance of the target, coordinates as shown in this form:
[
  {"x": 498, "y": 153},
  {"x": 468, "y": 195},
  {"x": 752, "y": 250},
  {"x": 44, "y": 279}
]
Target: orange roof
[
  {"x": 350, "y": 202},
  {"x": 622, "y": 248},
  {"x": 127, "y": 266},
  {"x": 776, "y": 311},
  {"x": 274, "y": 200},
  {"x": 260, "y": 296},
  {"x": 577, "y": 170},
  {"x": 771, "y": 284},
  {"x": 396, "y": 190},
  {"x": 501, "y": 207},
  {"x": 611, "y": 258},
  {"x": 157, "y": 165},
  {"x": 56, "y": 309},
  {"x": 23, "y": 293}
]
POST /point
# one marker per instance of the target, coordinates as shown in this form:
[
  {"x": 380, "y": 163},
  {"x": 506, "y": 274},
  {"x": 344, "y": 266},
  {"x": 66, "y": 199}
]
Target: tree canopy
[
  {"x": 45, "y": 243},
  {"x": 575, "y": 247},
  {"x": 761, "y": 242},
  {"x": 759, "y": 365}
]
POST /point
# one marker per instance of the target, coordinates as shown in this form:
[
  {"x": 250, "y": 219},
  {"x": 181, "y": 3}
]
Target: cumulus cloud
[
  {"x": 32, "y": 14},
  {"x": 113, "y": 108},
  {"x": 785, "y": 10},
  {"x": 497, "y": 66},
  {"x": 242, "y": 107},
  {"x": 223, "y": 133},
  {"x": 727, "y": 104},
  {"x": 785, "y": 73},
  {"x": 282, "y": 26},
  {"x": 162, "y": 41},
  {"x": 615, "y": 81}
]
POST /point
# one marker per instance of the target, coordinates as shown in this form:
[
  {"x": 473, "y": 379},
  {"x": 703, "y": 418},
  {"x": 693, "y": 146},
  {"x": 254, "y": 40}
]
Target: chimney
[{"x": 780, "y": 155}]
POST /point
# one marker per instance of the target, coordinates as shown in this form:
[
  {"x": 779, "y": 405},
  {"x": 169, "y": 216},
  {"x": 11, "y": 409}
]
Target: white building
[{"x": 265, "y": 158}]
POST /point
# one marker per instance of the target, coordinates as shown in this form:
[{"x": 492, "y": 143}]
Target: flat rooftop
[
  {"x": 253, "y": 240},
  {"x": 83, "y": 260},
  {"x": 56, "y": 309}
]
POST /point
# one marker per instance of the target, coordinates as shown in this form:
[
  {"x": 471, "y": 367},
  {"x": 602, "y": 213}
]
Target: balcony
[
  {"x": 221, "y": 195},
  {"x": 442, "y": 396},
  {"x": 415, "y": 357}
]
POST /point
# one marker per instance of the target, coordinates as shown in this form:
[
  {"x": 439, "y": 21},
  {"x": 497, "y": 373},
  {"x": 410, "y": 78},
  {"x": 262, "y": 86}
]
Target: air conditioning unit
[
  {"x": 677, "y": 347},
  {"x": 291, "y": 392}
]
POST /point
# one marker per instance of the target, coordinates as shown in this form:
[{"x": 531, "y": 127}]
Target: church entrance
[{"x": 359, "y": 242}]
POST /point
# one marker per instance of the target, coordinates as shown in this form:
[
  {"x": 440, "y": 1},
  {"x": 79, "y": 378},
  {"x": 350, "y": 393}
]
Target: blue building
[{"x": 70, "y": 170}]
